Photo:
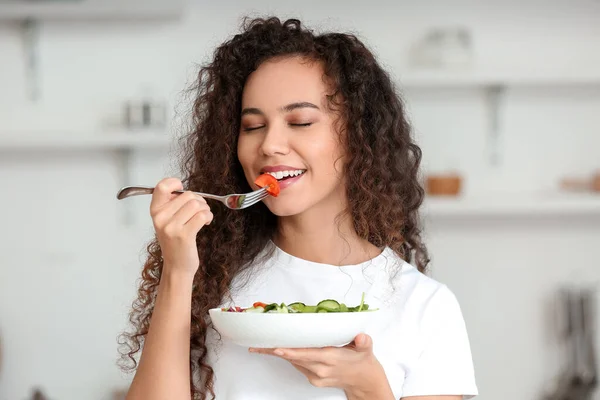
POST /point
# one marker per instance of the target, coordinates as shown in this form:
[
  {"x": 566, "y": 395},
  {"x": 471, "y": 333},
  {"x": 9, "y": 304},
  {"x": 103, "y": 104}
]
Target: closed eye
[
  {"x": 300, "y": 125},
  {"x": 253, "y": 128}
]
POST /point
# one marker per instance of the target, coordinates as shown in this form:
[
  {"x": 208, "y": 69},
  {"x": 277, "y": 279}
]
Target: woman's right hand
[{"x": 177, "y": 218}]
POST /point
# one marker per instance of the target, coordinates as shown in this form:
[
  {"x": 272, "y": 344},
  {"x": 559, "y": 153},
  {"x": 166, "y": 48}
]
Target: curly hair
[{"x": 382, "y": 170}]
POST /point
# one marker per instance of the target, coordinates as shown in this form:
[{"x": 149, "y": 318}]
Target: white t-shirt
[{"x": 419, "y": 336}]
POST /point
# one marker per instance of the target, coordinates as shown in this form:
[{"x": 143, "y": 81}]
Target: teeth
[{"x": 282, "y": 174}]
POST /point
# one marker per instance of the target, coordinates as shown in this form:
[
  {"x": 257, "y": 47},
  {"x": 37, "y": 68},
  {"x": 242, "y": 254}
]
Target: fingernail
[{"x": 279, "y": 352}]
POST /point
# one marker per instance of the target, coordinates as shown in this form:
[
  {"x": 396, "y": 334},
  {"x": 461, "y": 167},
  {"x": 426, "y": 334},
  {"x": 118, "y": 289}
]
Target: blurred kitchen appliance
[
  {"x": 579, "y": 377},
  {"x": 38, "y": 395},
  {"x": 443, "y": 48}
]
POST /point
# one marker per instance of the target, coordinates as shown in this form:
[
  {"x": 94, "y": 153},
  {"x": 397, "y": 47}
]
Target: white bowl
[{"x": 270, "y": 330}]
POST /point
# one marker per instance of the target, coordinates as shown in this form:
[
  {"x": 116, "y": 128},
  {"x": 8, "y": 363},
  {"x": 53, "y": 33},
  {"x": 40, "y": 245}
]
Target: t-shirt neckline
[{"x": 296, "y": 264}]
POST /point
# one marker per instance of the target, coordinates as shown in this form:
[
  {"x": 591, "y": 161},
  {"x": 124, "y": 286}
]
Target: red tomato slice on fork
[{"x": 270, "y": 181}]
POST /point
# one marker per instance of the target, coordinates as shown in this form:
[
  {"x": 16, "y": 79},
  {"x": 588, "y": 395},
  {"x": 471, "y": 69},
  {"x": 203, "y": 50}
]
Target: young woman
[{"x": 320, "y": 113}]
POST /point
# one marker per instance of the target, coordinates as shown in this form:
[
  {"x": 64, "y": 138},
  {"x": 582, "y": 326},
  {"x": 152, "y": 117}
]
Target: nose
[{"x": 275, "y": 142}]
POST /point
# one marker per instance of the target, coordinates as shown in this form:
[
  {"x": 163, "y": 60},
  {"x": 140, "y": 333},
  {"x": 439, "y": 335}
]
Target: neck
[{"x": 317, "y": 236}]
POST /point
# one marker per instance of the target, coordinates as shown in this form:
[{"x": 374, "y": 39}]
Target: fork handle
[{"x": 130, "y": 191}]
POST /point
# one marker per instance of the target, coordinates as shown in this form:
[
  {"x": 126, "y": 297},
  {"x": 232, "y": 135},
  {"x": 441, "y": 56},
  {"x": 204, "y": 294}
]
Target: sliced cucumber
[
  {"x": 343, "y": 307},
  {"x": 329, "y": 305},
  {"x": 272, "y": 306},
  {"x": 298, "y": 307},
  {"x": 310, "y": 309}
]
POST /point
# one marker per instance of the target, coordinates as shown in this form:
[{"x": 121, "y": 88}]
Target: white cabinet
[
  {"x": 16, "y": 10},
  {"x": 29, "y": 14}
]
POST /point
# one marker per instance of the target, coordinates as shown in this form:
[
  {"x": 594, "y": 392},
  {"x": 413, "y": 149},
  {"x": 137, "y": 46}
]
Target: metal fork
[{"x": 232, "y": 201}]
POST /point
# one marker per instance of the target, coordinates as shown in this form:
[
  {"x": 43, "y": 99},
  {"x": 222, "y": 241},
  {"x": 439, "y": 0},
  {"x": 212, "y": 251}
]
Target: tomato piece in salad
[{"x": 270, "y": 181}]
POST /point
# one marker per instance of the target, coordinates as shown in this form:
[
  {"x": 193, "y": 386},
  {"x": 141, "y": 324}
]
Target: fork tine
[
  {"x": 250, "y": 202},
  {"x": 256, "y": 198},
  {"x": 256, "y": 193}
]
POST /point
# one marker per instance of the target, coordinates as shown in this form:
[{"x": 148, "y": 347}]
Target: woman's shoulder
[{"x": 421, "y": 295}]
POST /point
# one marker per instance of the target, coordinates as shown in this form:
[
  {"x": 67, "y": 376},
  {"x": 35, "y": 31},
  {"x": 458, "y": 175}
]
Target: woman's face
[{"x": 287, "y": 130}]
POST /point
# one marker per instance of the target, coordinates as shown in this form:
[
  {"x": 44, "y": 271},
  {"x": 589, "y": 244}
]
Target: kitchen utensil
[{"x": 232, "y": 201}]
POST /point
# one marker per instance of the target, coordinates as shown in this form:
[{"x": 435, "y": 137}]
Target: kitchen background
[{"x": 504, "y": 97}]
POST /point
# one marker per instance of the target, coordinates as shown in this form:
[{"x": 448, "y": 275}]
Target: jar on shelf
[
  {"x": 145, "y": 110},
  {"x": 443, "y": 48},
  {"x": 443, "y": 184}
]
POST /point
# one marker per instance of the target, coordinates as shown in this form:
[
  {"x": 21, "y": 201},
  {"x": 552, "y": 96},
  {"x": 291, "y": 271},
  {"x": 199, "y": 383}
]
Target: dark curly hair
[{"x": 382, "y": 167}]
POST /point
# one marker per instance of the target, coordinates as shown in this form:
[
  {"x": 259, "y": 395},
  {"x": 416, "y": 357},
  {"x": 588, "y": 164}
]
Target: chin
[{"x": 284, "y": 208}]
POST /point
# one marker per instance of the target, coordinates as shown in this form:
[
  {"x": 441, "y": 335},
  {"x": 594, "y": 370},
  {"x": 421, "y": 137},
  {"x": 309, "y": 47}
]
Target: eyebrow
[{"x": 287, "y": 108}]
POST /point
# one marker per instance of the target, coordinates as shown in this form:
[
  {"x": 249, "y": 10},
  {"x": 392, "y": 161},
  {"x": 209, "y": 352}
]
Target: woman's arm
[{"x": 164, "y": 368}]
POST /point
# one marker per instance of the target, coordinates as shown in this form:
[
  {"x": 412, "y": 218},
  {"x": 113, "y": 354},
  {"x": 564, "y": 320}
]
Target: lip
[{"x": 277, "y": 168}]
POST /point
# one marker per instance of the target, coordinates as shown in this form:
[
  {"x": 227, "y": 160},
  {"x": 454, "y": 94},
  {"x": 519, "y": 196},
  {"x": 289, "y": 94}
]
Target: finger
[
  {"x": 166, "y": 213},
  {"x": 170, "y": 209},
  {"x": 163, "y": 192},
  {"x": 314, "y": 367},
  {"x": 324, "y": 355},
  {"x": 188, "y": 211},
  {"x": 307, "y": 372},
  {"x": 363, "y": 343},
  {"x": 315, "y": 379},
  {"x": 258, "y": 350},
  {"x": 199, "y": 220}
]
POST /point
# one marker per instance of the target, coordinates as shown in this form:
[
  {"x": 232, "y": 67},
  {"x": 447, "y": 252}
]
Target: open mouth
[{"x": 285, "y": 175}]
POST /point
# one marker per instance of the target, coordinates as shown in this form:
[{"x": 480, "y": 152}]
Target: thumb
[{"x": 363, "y": 342}]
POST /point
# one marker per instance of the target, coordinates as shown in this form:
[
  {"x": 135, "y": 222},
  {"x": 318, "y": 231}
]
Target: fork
[{"x": 232, "y": 201}]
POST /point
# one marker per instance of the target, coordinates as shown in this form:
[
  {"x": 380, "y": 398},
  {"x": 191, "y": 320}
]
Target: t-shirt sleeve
[{"x": 444, "y": 365}]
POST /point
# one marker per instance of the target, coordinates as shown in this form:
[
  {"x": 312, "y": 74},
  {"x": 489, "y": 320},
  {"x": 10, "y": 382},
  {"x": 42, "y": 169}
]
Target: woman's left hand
[{"x": 353, "y": 368}]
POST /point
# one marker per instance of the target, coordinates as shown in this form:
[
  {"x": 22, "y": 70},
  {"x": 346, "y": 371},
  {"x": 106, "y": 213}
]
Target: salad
[{"x": 325, "y": 306}]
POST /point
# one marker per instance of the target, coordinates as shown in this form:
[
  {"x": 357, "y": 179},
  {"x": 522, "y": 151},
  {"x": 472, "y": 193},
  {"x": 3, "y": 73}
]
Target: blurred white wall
[{"x": 69, "y": 263}]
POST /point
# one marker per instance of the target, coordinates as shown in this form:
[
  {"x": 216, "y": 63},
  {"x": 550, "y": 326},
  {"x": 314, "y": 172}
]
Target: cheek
[
  {"x": 245, "y": 152},
  {"x": 326, "y": 156}
]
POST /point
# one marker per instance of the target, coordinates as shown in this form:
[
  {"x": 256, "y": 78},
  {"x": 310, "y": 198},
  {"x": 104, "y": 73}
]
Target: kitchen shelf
[
  {"x": 494, "y": 84},
  {"x": 75, "y": 141},
  {"x": 30, "y": 14},
  {"x": 431, "y": 79},
  {"x": 522, "y": 205},
  {"x": 18, "y": 10},
  {"x": 124, "y": 143}
]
